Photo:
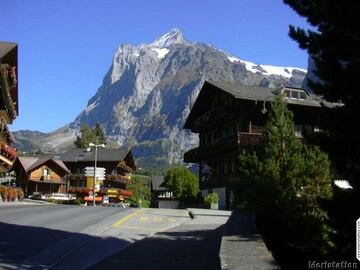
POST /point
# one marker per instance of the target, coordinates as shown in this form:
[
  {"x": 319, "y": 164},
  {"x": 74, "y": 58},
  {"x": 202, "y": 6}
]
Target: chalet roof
[
  {"x": 244, "y": 91},
  {"x": 248, "y": 92},
  {"x": 6, "y": 47},
  {"x": 31, "y": 163},
  {"x": 26, "y": 162},
  {"x": 106, "y": 155},
  {"x": 156, "y": 182}
]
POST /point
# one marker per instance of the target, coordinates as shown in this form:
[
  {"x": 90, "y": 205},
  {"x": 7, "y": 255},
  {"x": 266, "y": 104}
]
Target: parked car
[
  {"x": 62, "y": 196},
  {"x": 39, "y": 196}
]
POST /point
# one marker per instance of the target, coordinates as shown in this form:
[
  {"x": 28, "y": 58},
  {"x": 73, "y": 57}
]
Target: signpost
[
  {"x": 100, "y": 172},
  {"x": 95, "y": 170}
]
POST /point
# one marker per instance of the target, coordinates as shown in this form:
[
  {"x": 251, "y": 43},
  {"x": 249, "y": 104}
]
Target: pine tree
[
  {"x": 334, "y": 46},
  {"x": 99, "y": 134},
  {"x": 90, "y": 135},
  {"x": 283, "y": 182}
]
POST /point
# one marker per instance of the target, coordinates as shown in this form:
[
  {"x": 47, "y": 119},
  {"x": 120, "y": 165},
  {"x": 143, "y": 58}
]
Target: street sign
[{"x": 100, "y": 172}]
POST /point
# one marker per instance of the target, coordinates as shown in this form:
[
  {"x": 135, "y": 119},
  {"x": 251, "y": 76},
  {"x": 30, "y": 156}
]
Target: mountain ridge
[{"x": 148, "y": 91}]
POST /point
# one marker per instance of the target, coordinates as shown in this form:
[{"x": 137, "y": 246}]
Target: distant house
[
  {"x": 163, "y": 198},
  {"x": 44, "y": 174},
  {"x": 229, "y": 116},
  {"x": 118, "y": 164},
  {"x": 9, "y": 107}
]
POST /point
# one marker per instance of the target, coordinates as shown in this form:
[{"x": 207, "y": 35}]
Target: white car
[{"x": 62, "y": 197}]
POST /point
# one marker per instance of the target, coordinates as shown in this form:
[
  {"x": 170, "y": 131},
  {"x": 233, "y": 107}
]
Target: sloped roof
[
  {"x": 6, "y": 47},
  {"x": 26, "y": 162},
  {"x": 246, "y": 92},
  {"x": 263, "y": 93},
  {"x": 38, "y": 162},
  {"x": 31, "y": 163},
  {"x": 106, "y": 155},
  {"x": 156, "y": 181}
]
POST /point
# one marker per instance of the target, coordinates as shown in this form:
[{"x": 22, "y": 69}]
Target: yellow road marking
[
  {"x": 121, "y": 221},
  {"x": 157, "y": 219},
  {"x": 144, "y": 218},
  {"x": 141, "y": 228},
  {"x": 172, "y": 219}
]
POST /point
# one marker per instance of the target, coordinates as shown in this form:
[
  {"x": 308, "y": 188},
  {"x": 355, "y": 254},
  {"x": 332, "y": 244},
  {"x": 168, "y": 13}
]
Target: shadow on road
[
  {"x": 184, "y": 247},
  {"x": 27, "y": 247}
]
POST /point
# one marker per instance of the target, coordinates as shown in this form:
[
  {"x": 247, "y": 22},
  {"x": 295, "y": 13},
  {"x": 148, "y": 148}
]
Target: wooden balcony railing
[
  {"x": 123, "y": 179},
  {"x": 4, "y": 130},
  {"x": 117, "y": 192},
  {"x": 6, "y": 85},
  {"x": 222, "y": 146},
  {"x": 8, "y": 151}
]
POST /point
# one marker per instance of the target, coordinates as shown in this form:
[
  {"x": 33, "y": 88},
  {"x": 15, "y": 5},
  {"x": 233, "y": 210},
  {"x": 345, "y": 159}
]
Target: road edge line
[{"x": 123, "y": 220}]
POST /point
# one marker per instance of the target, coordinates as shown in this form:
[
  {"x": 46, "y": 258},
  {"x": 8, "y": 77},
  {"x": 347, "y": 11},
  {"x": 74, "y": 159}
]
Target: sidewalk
[
  {"x": 242, "y": 246},
  {"x": 24, "y": 202}
]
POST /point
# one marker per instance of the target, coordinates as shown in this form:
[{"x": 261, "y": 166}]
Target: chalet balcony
[
  {"x": 122, "y": 179},
  {"x": 8, "y": 151},
  {"x": 116, "y": 192},
  {"x": 5, "y": 132},
  {"x": 6, "y": 86},
  {"x": 213, "y": 118},
  {"x": 222, "y": 146}
]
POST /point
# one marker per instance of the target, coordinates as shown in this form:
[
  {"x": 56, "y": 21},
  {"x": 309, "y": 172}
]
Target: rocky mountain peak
[
  {"x": 175, "y": 36},
  {"x": 149, "y": 90}
]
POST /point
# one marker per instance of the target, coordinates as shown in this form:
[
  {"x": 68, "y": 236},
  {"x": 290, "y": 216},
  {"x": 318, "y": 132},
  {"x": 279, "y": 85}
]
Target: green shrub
[
  {"x": 211, "y": 198},
  {"x": 20, "y": 194}
]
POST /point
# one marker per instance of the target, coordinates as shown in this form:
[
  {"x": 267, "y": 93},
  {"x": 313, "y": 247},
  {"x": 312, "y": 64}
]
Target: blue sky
[{"x": 66, "y": 46}]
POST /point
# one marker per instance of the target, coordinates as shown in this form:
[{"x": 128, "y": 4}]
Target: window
[
  {"x": 287, "y": 93},
  {"x": 46, "y": 172},
  {"x": 302, "y": 95},
  {"x": 299, "y": 131},
  {"x": 295, "y": 94}
]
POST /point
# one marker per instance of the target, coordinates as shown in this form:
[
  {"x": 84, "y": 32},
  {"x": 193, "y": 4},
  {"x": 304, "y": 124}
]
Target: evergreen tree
[
  {"x": 283, "y": 182},
  {"x": 90, "y": 135},
  {"x": 334, "y": 46},
  {"x": 99, "y": 134}
]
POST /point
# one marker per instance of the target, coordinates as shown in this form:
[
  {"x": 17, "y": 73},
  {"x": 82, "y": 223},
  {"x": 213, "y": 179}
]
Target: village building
[
  {"x": 44, "y": 175},
  {"x": 162, "y": 197},
  {"x": 8, "y": 102},
  {"x": 228, "y": 116},
  {"x": 118, "y": 165}
]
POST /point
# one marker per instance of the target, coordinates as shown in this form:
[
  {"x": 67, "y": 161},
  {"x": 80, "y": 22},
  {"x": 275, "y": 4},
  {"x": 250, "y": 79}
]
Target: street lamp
[
  {"x": 264, "y": 110},
  {"x": 96, "y": 147}
]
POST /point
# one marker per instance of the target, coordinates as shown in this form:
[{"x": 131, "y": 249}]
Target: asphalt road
[
  {"x": 194, "y": 244},
  {"x": 73, "y": 237}
]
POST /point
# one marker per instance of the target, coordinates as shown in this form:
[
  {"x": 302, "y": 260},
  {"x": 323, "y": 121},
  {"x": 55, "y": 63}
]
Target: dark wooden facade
[
  {"x": 45, "y": 175},
  {"x": 8, "y": 102},
  {"x": 118, "y": 164},
  {"x": 228, "y": 116}
]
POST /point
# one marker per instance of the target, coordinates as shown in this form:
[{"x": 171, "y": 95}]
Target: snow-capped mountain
[{"x": 147, "y": 93}]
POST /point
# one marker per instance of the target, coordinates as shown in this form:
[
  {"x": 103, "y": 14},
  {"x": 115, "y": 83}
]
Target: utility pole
[{"x": 96, "y": 148}]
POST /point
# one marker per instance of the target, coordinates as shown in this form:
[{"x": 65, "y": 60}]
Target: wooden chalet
[
  {"x": 118, "y": 164},
  {"x": 45, "y": 174},
  {"x": 228, "y": 116},
  {"x": 8, "y": 102}
]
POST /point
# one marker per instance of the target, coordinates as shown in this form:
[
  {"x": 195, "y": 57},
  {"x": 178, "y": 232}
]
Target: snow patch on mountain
[
  {"x": 161, "y": 52},
  {"x": 286, "y": 72}
]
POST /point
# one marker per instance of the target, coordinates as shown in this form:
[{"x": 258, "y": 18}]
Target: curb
[{"x": 242, "y": 247}]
